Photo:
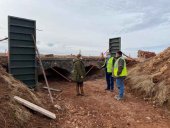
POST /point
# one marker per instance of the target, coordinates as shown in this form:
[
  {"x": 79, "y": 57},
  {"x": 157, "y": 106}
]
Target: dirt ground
[{"x": 98, "y": 109}]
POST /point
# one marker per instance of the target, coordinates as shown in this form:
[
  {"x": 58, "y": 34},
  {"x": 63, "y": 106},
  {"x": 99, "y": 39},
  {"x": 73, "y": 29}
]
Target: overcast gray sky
[{"x": 72, "y": 25}]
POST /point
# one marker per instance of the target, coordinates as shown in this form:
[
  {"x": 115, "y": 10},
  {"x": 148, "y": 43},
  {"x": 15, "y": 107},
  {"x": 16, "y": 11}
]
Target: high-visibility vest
[
  {"x": 124, "y": 71},
  {"x": 109, "y": 65}
]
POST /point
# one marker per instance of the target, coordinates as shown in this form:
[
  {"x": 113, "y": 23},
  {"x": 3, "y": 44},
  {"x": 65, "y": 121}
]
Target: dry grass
[
  {"x": 14, "y": 114},
  {"x": 150, "y": 79}
]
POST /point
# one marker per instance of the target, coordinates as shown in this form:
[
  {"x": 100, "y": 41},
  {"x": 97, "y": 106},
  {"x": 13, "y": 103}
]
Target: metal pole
[
  {"x": 42, "y": 68},
  {"x": 61, "y": 74},
  {"x": 97, "y": 61}
]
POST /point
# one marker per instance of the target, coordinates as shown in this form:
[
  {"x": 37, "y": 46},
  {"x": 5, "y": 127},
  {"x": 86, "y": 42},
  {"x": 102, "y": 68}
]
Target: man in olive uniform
[
  {"x": 120, "y": 73},
  {"x": 108, "y": 65},
  {"x": 79, "y": 74}
]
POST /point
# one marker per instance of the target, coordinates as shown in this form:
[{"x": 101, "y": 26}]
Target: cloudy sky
[{"x": 72, "y": 25}]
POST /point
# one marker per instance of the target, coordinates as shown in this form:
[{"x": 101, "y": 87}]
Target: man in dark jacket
[
  {"x": 79, "y": 74},
  {"x": 120, "y": 73}
]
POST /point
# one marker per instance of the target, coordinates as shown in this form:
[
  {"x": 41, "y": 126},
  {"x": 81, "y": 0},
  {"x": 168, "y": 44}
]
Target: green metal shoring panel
[
  {"x": 22, "y": 55},
  {"x": 114, "y": 45}
]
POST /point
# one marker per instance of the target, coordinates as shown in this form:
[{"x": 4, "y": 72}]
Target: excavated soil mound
[
  {"x": 131, "y": 62},
  {"x": 12, "y": 114},
  {"x": 151, "y": 80}
]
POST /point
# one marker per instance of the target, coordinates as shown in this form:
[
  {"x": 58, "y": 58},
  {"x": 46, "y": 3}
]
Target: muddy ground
[{"x": 97, "y": 109}]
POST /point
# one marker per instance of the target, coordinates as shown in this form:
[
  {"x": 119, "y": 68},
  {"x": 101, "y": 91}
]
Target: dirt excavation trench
[
  {"x": 146, "y": 103},
  {"x": 98, "y": 109}
]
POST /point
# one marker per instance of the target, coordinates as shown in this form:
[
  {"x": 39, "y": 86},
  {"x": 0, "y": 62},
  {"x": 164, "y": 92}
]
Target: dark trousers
[
  {"x": 110, "y": 81},
  {"x": 79, "y": 88}
]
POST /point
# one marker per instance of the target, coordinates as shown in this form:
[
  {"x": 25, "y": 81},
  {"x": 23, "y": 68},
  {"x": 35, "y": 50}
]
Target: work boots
[
  {"x": 77, "y": 90},
  {"x": 82, "y": 90}
]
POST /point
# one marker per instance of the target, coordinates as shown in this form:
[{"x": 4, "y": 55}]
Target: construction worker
[
  {"x": 120, "y": 73},
  {"x": 108, "y": 65},
  {"x": 79, "y": 74}
]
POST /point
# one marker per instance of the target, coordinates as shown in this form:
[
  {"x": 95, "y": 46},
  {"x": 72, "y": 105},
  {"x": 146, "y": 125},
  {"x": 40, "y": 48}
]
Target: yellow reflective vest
[
  {"x": 124, "y": 70},
  {"x": 109, "y": 65}
]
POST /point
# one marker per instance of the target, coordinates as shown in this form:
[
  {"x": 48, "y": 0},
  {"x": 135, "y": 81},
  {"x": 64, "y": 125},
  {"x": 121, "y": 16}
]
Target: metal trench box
[
  {"x": 114, "y": 45},
  {"x": 22, "y": 62}
]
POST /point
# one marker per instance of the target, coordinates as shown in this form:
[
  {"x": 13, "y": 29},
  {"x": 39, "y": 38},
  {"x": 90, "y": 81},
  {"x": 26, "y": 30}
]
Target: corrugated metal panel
[
  {"x": 22, "y": 54},
  {"x": 114, "y": 45}
]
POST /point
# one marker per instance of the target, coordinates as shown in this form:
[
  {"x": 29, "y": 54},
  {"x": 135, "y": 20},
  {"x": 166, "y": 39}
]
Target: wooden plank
[
  {"x": 52, "y": 89},
  {"x": 35, "y": 107},
  {"x": 42, "y": 68}
]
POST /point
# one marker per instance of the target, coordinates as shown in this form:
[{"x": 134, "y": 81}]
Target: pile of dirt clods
[
  {"x": 151, "y": 79},
  {"x": 12, "y": 114}
]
